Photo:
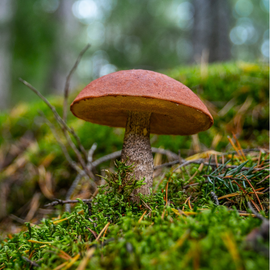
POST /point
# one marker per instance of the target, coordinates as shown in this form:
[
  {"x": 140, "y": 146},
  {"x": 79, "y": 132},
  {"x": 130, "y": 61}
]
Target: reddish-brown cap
[{"x": 175, "y": 108}]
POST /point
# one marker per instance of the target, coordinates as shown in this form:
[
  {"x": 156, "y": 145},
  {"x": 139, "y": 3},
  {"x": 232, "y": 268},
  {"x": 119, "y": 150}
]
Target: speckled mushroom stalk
[{"x": 137, "y": 150}]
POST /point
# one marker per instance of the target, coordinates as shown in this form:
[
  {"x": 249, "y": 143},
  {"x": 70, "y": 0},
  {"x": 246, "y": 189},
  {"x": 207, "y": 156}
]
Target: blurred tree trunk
[
  {"x": 63, "y": 56},
  {"x": 6, "y": 14},
  {"x": 211, "y": 30}
]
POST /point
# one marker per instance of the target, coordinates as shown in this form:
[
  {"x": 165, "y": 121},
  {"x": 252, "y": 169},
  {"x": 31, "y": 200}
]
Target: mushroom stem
[{"x": 137, "y": 150}]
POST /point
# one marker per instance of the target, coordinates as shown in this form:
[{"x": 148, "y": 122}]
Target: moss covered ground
[{"x": 177, "y": 226}]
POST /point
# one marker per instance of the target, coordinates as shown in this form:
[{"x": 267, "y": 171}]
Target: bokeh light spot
[
  {"x": 96, "y": 33},
  {"x": 185, "y": 11},
  {"x": 107, "y": 69},
  {"x": 85, "y": 9},
  {"x": 239, "y": 35},
  {"x": 185, "y": 14},
  {"x": 50, "y": 6},
  {"x": 265, "y": 48},
  {"x": 247, "y": 23},
  {"x": 265, "y": 5},
  {"x": 266, "y": 34},
  {"x": 244, "y": 7}
]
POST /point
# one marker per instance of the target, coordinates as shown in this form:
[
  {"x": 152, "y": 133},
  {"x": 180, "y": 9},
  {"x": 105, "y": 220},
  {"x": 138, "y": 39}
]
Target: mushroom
[{"x": 143, "y": 102}]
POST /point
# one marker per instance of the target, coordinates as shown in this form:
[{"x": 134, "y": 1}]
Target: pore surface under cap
[{"x": 175, "y": 108}]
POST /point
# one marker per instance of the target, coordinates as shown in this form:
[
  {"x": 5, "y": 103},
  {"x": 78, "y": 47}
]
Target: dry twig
[
  {"x": 117, "y": 154},
  {"x": 72, "y": 163},
  {"x": 199, "y": 161},
  {"x": 31, "y": 262},
  {"x": 80, "y": 175},
  {"x": 254, "y": 191},
  {"x": 58, "y": 118},
  {"x": 61, "y": 202},
  {"x": 253, "y": 239},
  {"x": 66, "y": 91},
  {"x": 215, "y": 198}
]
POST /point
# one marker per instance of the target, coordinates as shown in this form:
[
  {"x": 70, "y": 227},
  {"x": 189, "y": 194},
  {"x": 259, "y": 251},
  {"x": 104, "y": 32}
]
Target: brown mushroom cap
[{"x": 175, "y": 109}]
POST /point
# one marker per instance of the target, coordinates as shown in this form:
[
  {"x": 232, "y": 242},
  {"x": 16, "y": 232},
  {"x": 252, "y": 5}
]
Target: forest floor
[
  {"x": 201, "y": 213},
  {"x": 208, "y": 207}
]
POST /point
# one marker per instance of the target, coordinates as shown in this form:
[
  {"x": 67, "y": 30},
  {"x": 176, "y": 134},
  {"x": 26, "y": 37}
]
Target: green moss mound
[
  {"x": 164, "y": 231},
  {"x": 209, "y": 239}
]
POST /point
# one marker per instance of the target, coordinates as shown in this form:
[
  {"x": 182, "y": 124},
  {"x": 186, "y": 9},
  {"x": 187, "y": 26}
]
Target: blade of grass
[
  {"x": 141, "y": 218},
  {"x": 106, "y": 226},
  {"x": 239, "y": 147},
  {"x": 234, "y": 146},
  {"x": 254, "y": 192}
]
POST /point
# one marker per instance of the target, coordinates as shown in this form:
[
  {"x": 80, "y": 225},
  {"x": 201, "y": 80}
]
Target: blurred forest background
[
  {"x": 218, "y": 48},
  {"x": 40, "y": 39}
]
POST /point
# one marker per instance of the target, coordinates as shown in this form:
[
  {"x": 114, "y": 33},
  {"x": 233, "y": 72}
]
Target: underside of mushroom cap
[{"x": 175, "y": 109}]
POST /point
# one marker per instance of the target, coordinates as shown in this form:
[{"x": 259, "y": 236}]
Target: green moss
[
  {"x": 151, "y": 235},
  {"x": 154, "y": 243}
]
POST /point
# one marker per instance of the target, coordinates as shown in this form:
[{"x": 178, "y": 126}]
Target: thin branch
[
  {"x": 250, "y": 150},
  {"x": 117, "y": 154},
  {"x": 80, "y": 175},
  {"x": 31, "y": 262},
  {"x": 146, "y": 205},
  {"x": 199, "y": 161},
  {"x": 91, "y": 153},
  {"x": 215, "y": 198},
  {"x": 72, "y": 163},
  {"x": 165, "y": 152},
  {"x": 93, "y": 232},
  {"x": 61, "y": 202},
  {"x": 113, "y": 155},
  {"x": 72, "y": 145},
  {"x": 79, "y": 156},
  {"x": 263, "y": 179},
  {"x": 77, "y": 152},
  {"x": 66, "y": 91},
  {"x": 257, "y": 215},
  {"x": 72, "y": 187},
  {"x": 168, "y": 164},
  {"x": 195, "y": 184},
  {"x": 58, "y": 118},
  {"x": 19, "y": 220},
  {"x": 258, "y": 199}
]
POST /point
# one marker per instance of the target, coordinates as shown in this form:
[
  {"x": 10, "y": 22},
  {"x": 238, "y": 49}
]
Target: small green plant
[{"x": 121, "y": 183}]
